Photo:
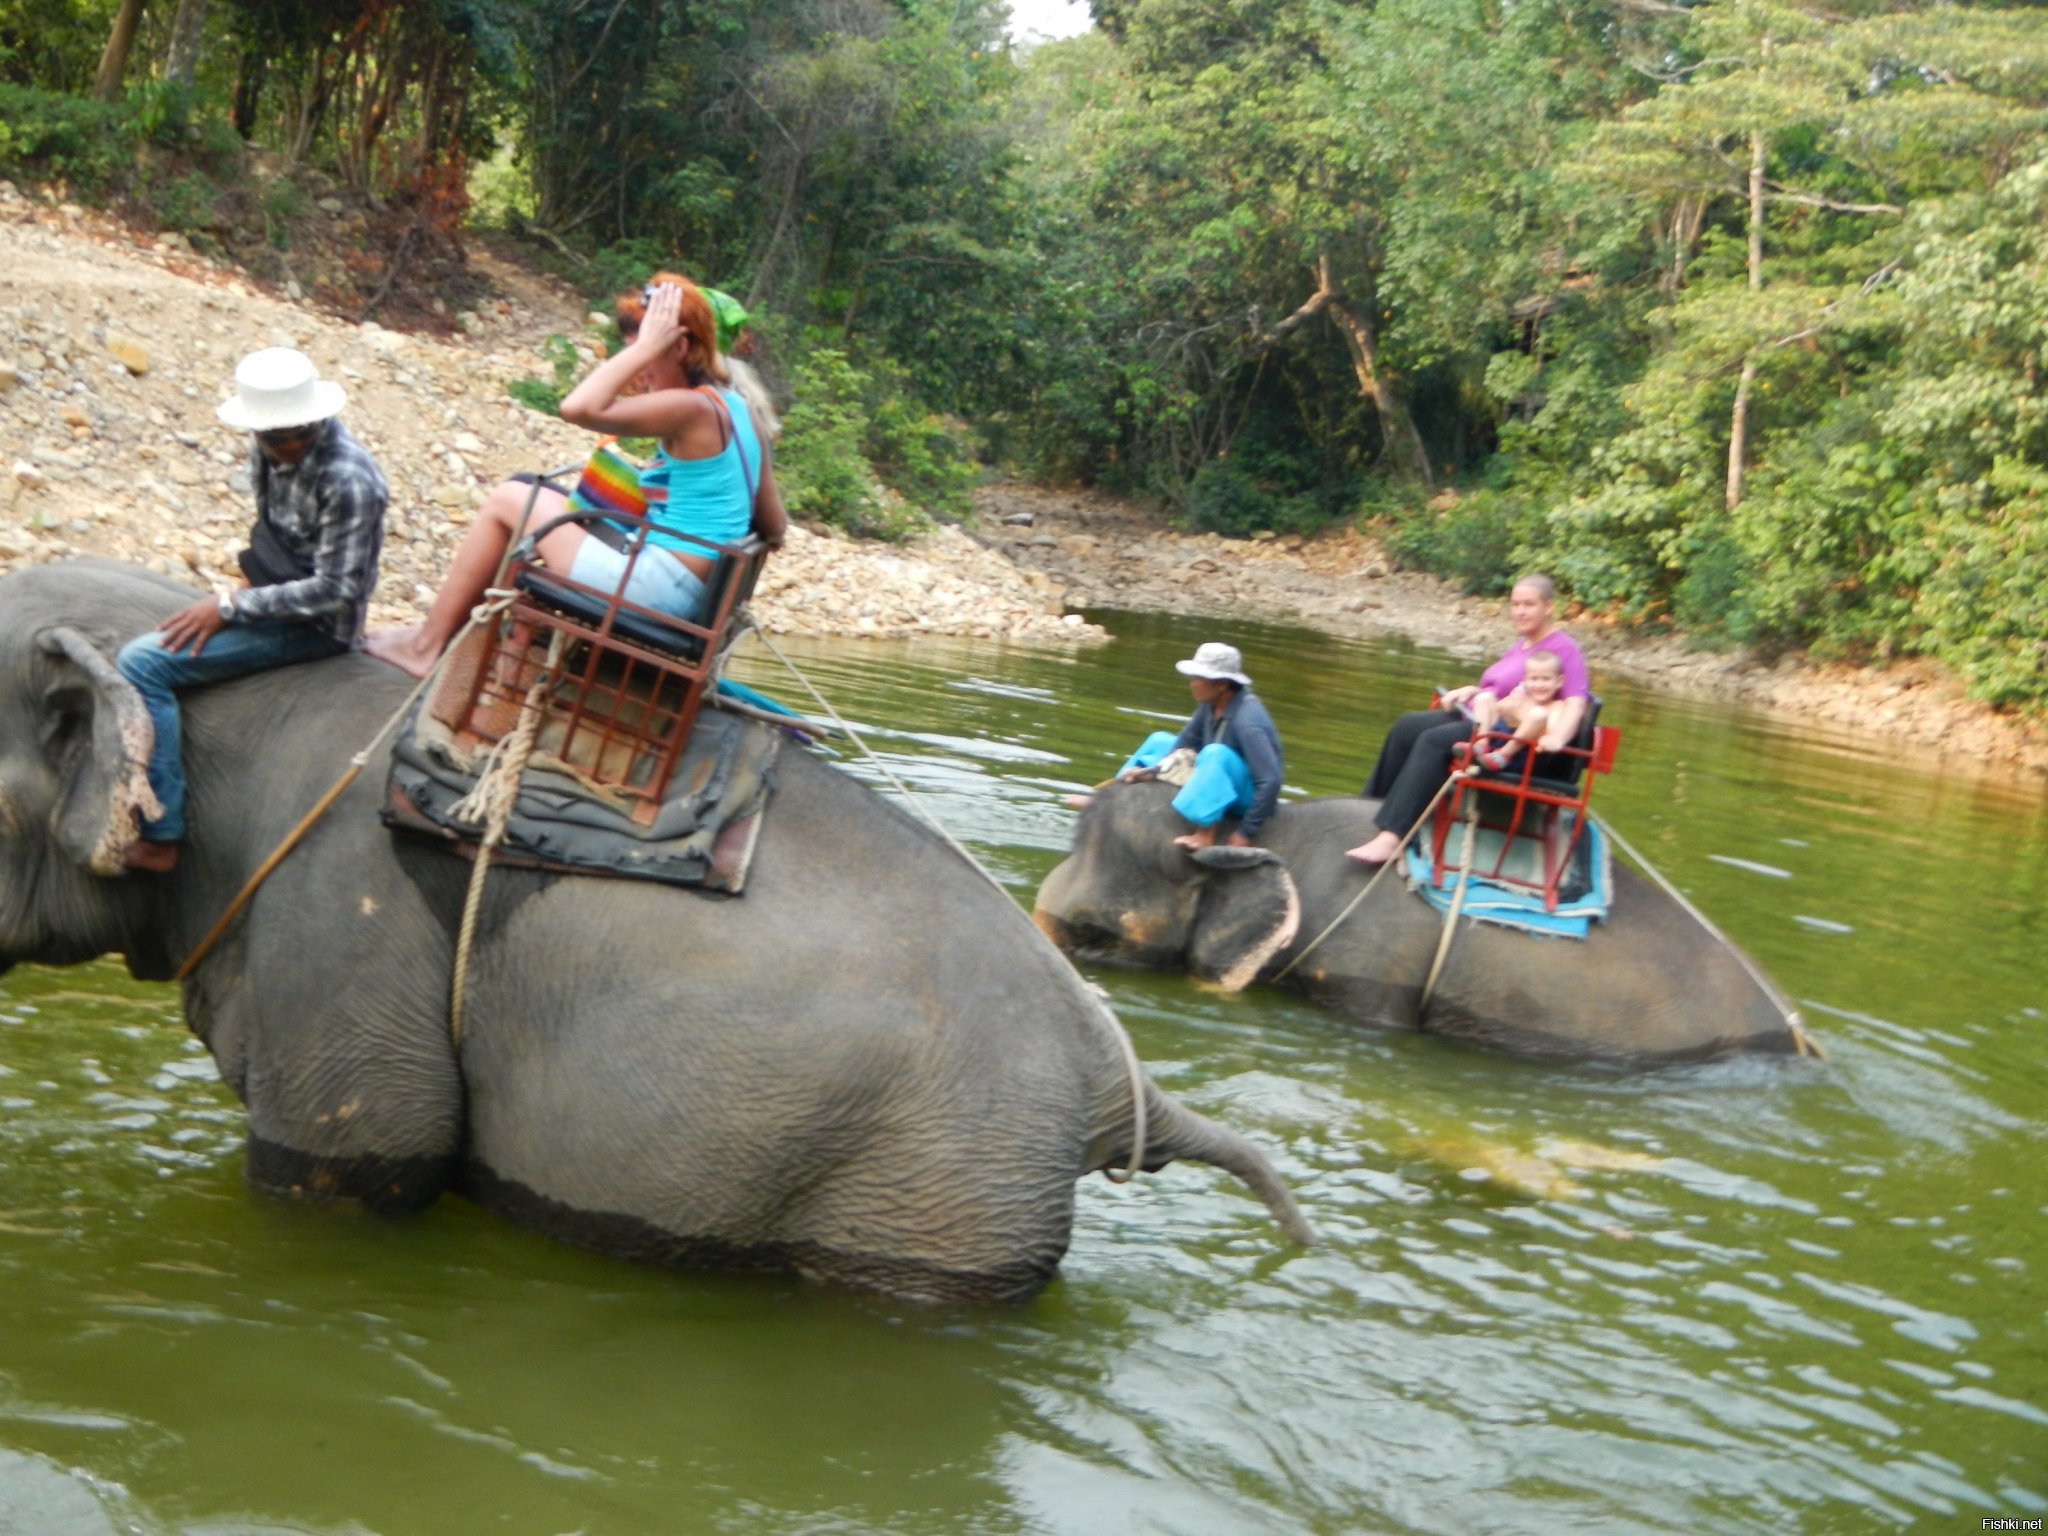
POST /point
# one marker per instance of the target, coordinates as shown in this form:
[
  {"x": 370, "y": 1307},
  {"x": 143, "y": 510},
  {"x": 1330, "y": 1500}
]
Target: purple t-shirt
[{"x": 1505, "y": 675}]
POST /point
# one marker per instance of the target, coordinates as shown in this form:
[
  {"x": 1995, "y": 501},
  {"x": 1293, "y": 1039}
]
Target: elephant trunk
[{"x": 1175, "y": 1131}]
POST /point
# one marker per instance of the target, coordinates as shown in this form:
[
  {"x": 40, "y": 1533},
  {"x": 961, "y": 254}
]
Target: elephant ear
[
  {"x": 1250, "y": 911},
  {"x": 97, "y": 737}
]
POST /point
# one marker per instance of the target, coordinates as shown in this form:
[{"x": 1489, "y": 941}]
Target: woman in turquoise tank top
[{"x": 712, "y": 476}]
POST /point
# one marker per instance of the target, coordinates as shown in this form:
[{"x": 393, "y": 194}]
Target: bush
[
  {"x": 821, "y": 463},
  {"x": 1250, "y": 492},
  {"x": 541, "y": 394},
  {"x": 1479, "y": 541},
  {"x": 1711, "y": 601},
  {"x": 45, "y": 136}
]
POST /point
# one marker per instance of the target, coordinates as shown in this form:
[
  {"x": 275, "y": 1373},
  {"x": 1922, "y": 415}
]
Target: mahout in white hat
[
  {"x": 278, "y": 388},
  {"x": 1216, "y": 661}
]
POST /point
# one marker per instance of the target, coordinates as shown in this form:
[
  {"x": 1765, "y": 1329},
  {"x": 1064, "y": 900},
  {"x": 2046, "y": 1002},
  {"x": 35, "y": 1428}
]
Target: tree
[{"x": 106, "y": 84}]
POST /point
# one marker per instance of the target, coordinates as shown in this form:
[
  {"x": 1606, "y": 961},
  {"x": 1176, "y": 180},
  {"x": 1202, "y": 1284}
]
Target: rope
[
  {"x": 491, "y": 804},
  {"x": 497, "y": 602},
  {"x": 1392, "y": 859},
  {"x": 1803, "y": 1043},
  {"x": 1134, "y": 1073},
  {"x": 1443, "y": 943}
]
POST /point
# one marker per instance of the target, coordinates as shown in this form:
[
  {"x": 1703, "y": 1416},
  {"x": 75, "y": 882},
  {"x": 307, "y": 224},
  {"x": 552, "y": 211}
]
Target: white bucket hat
[
  {"x": 278, "y": 388},
  {"x": 1216, "y": 661}
]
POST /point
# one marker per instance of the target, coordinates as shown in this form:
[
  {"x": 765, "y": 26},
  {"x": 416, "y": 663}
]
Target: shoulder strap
[{"x": 729, "y": 430}]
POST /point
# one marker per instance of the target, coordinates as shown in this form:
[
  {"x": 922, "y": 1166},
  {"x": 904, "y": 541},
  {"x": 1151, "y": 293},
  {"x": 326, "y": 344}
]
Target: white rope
[
  {"x": 1133, "y": 1071},
  {"x": 499, "y": 601},
  {"x": 491, "y": 803},
  {"x": 1443, "y": 943},
  {"x": 1802, "y": 1042},
  {"x": 1352, "y": 906}
]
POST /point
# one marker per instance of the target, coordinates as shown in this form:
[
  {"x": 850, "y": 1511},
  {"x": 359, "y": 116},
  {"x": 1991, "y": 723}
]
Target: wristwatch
[{"x": 227, "y": 608}]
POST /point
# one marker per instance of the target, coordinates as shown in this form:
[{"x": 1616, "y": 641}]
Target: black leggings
[{"x": 1414, "y": 761}]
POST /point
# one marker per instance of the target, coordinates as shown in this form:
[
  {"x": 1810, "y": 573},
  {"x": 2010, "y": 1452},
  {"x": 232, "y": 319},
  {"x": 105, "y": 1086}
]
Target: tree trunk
[
  {"x": 188, "y": 31},
  {"x": 106, "y": 84},
  {"x": 1738, "y": 424},
  {"x": 1397, "y": 427},
  {"x": 249, "y": 79}
]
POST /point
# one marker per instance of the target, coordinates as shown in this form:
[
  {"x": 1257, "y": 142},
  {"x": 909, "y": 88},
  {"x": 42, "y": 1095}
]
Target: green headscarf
[{"x": 727, "y": 316}]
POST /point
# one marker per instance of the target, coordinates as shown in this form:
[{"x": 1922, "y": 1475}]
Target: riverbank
[
  {"x": 115, "y": 349},
  {"x": 1103, "y": 553}
]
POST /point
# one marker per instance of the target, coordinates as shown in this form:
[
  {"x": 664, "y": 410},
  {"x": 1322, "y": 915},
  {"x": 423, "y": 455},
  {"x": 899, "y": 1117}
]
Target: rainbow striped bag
[{"x": 611, "y": 485}]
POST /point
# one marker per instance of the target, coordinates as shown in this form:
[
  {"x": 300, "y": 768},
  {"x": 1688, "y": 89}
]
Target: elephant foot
[{"x": 151, "y": 858}]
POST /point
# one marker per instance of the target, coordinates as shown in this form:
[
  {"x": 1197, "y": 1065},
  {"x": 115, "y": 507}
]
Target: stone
[
  {"x": 75, "y": 415},
  {"x": 128, "y": 352},
  {"x": 9, "y": 377},
  {"x": 468, "y": 442},
  {"x": 330, "y": 205}
]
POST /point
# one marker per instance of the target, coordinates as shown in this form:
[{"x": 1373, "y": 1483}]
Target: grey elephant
[
  {"x": 869, "y": 1070},
  {"x": 1650, "y": 983}
]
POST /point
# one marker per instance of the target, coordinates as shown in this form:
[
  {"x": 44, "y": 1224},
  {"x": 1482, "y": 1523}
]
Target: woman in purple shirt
[{"x": 1416, "y": 756}]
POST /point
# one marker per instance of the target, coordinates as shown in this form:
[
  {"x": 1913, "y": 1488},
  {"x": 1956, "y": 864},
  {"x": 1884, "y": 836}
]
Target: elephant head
[
  {"x": 1128, "y": 894},
  {"x": 74, "y": 749}
]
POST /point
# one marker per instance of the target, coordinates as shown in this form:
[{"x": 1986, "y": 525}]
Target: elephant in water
[
  {"x": 1649, "y": 983},
  {"x": 869, "y": 1070}
]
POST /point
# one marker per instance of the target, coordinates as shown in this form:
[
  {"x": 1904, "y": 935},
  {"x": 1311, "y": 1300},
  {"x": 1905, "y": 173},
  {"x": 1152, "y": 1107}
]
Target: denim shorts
[{"x": 660, "y": 581}]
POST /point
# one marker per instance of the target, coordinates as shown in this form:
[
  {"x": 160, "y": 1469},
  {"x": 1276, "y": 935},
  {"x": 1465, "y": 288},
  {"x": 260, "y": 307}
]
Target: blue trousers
[
  {"x": 158, "y": 674},
  {"x": 1221, "y": 785}
]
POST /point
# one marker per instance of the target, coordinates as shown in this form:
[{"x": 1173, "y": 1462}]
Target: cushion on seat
[{"x": 639, "y": 628}]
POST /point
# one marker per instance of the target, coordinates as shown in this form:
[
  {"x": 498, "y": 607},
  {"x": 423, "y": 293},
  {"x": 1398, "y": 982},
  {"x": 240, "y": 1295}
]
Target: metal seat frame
[
  {"x": 618, "y": 659},
  {"x": 1535, "y": 805}
]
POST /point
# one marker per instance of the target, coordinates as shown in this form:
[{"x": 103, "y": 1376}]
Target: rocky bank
[
  {"x": 114, "y": 355},
  {"x": 115, "y": 350}
]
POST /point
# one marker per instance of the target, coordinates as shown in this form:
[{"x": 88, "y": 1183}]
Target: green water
[{"x": 1815, "y": 1303}]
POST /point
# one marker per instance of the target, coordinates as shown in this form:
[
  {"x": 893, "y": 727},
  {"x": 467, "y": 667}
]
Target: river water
[{"x": 1750, "y": 1296}]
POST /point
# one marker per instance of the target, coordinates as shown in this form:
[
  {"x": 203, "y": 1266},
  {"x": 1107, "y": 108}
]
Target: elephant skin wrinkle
[
  {"x": 1651, "y": 984},
  {"x": 629, "y": 1237},
  {"x": 783, "y": 1081}
]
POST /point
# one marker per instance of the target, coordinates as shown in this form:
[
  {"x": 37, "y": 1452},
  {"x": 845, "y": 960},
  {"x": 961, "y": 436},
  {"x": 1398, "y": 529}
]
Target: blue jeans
[
  {"x": 1221, "y": 785},
  {"x": 157, "y": 674}
]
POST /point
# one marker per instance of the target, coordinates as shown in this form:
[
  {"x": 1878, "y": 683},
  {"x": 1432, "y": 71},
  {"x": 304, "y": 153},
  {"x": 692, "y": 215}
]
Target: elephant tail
[{"x": 1175, "y": 1131}]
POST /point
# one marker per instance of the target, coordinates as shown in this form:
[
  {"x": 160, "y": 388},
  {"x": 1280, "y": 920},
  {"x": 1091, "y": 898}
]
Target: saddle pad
[
  {"x": 1584, "y": 897},
  {"x": 703, "y": 834}
]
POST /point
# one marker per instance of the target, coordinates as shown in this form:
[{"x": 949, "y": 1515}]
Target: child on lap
[{"x": 1525, "y": 711}]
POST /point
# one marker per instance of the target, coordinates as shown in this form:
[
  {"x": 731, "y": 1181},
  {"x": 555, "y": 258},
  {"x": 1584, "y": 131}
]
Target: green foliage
[
  {"x": 545, "y": 395},
  {"x": 48, "y": 136},
  {"x": 1478, "y": 541},
  {"x": 858, "y": 453}
]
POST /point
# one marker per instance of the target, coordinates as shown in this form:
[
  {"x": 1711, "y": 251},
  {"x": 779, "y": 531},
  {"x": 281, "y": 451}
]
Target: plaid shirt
[{"x": 328, "y": 509}]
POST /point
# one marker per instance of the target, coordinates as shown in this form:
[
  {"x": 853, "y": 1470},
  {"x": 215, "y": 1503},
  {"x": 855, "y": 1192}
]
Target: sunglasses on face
[{"x": 287, "y": 437}]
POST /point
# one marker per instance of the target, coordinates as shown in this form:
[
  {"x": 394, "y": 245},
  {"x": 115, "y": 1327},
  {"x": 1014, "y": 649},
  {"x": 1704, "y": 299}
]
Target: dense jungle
[{"x": 1730, "y": 314}]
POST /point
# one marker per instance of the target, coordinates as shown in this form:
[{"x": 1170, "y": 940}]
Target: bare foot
[
  {"x": 1195, "y": 841},
  {"x": 1378, "y": 851},
  {"x": 151, "y": 858},
  {"x": 406, "y": 649},
  {"x": 1079, "y": 802}
]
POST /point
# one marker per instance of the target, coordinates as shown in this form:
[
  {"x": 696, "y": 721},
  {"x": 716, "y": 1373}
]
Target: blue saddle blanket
[{"x": 1590, "y": 885}]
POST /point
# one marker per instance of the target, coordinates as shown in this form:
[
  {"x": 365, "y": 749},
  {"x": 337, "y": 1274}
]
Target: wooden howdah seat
[
  {"x": 1539, "y": 798},
  {"x": 619, "y": 702}
]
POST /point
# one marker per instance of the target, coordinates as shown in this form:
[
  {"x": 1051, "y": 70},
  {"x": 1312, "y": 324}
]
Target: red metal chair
[
  {"x": 620, "y": 703},
  {"x": 1523, "y": 803}
]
